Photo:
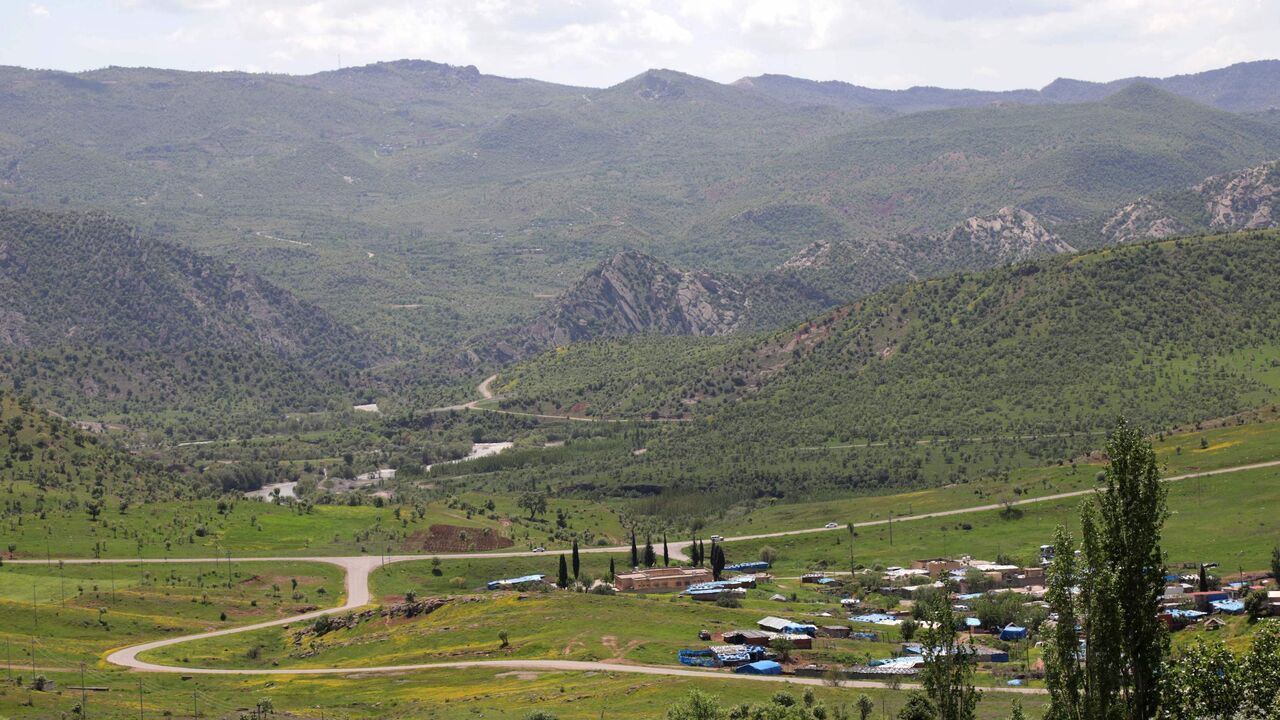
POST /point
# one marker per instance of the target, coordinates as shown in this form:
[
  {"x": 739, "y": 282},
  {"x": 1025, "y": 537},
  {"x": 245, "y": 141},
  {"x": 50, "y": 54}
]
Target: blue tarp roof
[
  {"x": 756, "y": 565},
  {"x": 525, "y": 580},
  {"x": 761, "y": 667},
  {"x": 1231, "y": 607},
  {"x": 969, "y": 596},
  {"x": 800, "y": 629},
  {"x": 827, "y": 581},
  {"x": 872, "y": 618},
  {"x": 1013, "y": 632},
  {"x": 973, "y": 622},
  {"x": 1189, "y": 614}
]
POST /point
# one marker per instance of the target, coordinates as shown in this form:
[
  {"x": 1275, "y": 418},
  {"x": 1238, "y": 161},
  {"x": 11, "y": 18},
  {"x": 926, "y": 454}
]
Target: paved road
[{"x": 357, "y": 595}]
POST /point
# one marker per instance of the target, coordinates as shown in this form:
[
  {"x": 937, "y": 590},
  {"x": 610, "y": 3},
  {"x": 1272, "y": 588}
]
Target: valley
[{"x": 405, "y": 390}]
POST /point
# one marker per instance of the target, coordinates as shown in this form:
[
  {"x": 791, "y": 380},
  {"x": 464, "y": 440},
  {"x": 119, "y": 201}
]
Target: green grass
[{"x": 1232, "y": 519}]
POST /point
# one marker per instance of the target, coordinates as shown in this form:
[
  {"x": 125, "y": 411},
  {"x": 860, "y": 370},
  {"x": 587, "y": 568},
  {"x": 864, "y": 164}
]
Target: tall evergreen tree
[
  {"x": 563, "y": 580},
  {"x": 612, "y": 573},
  {"x": 702, "y": 552},
  {"x": 1061, "y": 653},
  {"x": 666, "y": 555},
  {"x": 577, "y": 566},
  {"x": 1120, "y": 587},
  {"x": 635, "y": 554},
  {"x": 948, "y": 663},
  {"x": 650, "y": 559},
  {"x": 717, "y": 560}
]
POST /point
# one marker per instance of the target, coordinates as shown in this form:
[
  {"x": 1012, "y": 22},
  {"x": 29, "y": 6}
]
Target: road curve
[{"x": 358, "y": 569}]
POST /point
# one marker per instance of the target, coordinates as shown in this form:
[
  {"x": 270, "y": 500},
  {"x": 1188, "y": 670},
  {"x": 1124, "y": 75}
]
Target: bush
[
  {"x": 728, "y": 601},
  {"x": 458, "y": 582}
]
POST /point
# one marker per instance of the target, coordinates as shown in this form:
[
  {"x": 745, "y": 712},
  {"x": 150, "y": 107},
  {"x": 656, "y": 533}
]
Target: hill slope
[
  {"x": 1163, "y": 332},
  {"x": 99, "y": 318}
]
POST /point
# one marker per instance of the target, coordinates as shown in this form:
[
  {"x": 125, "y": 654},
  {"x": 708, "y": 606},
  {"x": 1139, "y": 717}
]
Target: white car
[
  {"x": 832, "y": 526},
  {"x": 717, "y": 538},
  {"x": 539, "y": 549}
]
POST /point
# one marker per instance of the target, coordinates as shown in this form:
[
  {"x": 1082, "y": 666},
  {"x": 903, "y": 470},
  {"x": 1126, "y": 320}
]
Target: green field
[{"x": 1233, "y": 519}]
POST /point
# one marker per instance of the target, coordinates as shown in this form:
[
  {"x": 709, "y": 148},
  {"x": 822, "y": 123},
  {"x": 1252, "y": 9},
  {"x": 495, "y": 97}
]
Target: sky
[{"x": 987, "y": 44}]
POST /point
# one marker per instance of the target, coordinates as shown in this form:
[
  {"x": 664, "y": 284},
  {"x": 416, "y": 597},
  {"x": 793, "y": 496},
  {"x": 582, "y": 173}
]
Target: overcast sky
[{"x": 989, "y": 44}]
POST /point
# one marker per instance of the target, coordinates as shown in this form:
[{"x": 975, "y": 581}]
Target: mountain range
[
  {"x": 428, "y": 203},
  {"x": 635, "y": 294}
]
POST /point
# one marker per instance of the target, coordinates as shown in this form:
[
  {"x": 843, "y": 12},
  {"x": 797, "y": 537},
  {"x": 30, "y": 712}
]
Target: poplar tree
[
  {"x": 563, "y": 580},
  {"x": 576, "y": 564},
  {"x": 948, "y": 664},
  {"x": 650, "y": 559},
  {"x": 666, "y": 556},
  {"x": 1061, "y": 653},
  {"x": 635, "y": 554}
]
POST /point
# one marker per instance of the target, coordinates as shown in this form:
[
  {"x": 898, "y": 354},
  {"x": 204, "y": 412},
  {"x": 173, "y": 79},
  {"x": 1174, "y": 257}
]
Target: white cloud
[
  {"x": 38, "y": 10},
  {"x": 993, "y": 43}
]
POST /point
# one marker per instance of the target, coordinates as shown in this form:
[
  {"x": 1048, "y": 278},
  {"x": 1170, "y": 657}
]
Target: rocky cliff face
[
  {"x": 629, "y": 294},
  {"x": 1008, "y": 235},
  {"x": 1245, "y": 200}
]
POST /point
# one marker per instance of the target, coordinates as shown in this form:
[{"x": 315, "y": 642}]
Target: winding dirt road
[{"x": 358, "y": 568}]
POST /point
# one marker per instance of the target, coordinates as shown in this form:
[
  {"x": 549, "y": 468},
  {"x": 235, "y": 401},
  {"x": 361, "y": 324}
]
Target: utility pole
[
  {"x": 112, "y": 568},
  {"x": 195, "y": 706},
  {"x": 890, "y": 528},
  {"x": 8, "y": 661},
  {"x": 62, "y": 583},
  {"x": 84, "y": 698},
  {"x": 140, "y": 700}
]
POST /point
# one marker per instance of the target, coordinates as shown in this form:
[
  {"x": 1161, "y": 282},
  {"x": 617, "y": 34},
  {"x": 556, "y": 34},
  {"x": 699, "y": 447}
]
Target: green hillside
[
  {"x": 1164, "y": 332},
  {"x": 101, "y": 320},
  {"x": 429, "y": 203}
]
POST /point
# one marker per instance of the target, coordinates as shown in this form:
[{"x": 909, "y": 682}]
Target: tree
[
  {"x": 1275, "y": 562},
  {"x": 1256, "y": 605},
  {"x": 783, "y": 646},
  {"x": 1121, "y": 591},
  {"x": 853, "y": 569},
  {"x": 697, "y": 705},
  {"x": 907, "y": 629},
  {"x": 666, "y": 556},
  {"x": 1202, "y": 683},
  {"x": 918, "y": 707},
  {"x": 635, "y": 554},
  {"x": 612, "y": 573},
  {"x": 534, "y": 502},
  {"x": 866, "y": 706},
  {"x": 504, "y": 638},
  {"x": 650, "y": 559},
  {"x": 577, "y": 566},
  {"x": 563, "y": 578},
  {"x": 948, "y": 665},
  {"x": 1062, "y": 651},
  {"x": 717, "y": 560}
]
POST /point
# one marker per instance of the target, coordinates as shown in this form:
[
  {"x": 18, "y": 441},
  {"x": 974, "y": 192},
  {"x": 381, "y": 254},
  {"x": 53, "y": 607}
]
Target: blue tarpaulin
[
  {"x": 972, "y": 622},
  {"x": 1230, "y": 607},
  {"x": 1013, "y": 632},
  {"x": 756, "y": 565},
  {"x": 698, "y": 658},
  {"x": 515, "y": 582},
  {"x": 875, "y": 618},
  {"x": 762, "y": 667}
]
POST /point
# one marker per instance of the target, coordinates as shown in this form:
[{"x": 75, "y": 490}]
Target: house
[
  {"x": 937, "y": 567},
  {"x": 1213, "y": 624},
  {"x": 773, "y": 624},
  {"x": 664, "y": 578},
  {"x": 813, "y": 577},
  {"x": 833, "y": 631},
  {"x": 1202, "y": 600},
  {"x": 981, "y": 653},
  {"x": 517, "y": 583},
  {"x": 760, "y": 667},
  {"x": 748, "y": 637},
  {"x": 799, "y": 641},
  {"x": 1273, "y": 601}
]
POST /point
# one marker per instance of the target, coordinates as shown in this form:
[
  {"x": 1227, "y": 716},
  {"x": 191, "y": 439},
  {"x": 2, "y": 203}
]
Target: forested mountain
[
  {"x": 1164, "y": 332},
  {"x": 100, "y": 318},
  {"x": 429, "y": 203},
  {"x": 635, "y": 294},
  {"x": 1239, "y": 88}
]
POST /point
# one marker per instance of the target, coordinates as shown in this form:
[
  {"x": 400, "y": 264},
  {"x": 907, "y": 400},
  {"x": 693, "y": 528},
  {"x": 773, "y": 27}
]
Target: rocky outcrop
[
  {"x": 1244, "y": 201},
  {"x": 326, "y": 624},
  {"x": 1008, "y": 235},
  {"x": 1141, "y": 220},
  {"x": 629, "y": 294}
]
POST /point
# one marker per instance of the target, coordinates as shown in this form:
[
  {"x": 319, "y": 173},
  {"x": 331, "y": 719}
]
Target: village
[{"x": 865, "y": 625}]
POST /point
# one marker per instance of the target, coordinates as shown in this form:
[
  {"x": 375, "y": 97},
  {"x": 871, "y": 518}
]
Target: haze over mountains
[{"x": 432, "y": 220}]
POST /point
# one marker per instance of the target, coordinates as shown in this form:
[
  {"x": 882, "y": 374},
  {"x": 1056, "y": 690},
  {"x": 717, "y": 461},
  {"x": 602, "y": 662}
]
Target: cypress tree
[
  {"x": 576, "y": 565},
  {"x": 650, "y": 559},
  {"x": 666, "y": 556},
  {"x": 635, "y": 554},
  {"x": 563, "y": 580},
  {"x": 612, "y": 573}
]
